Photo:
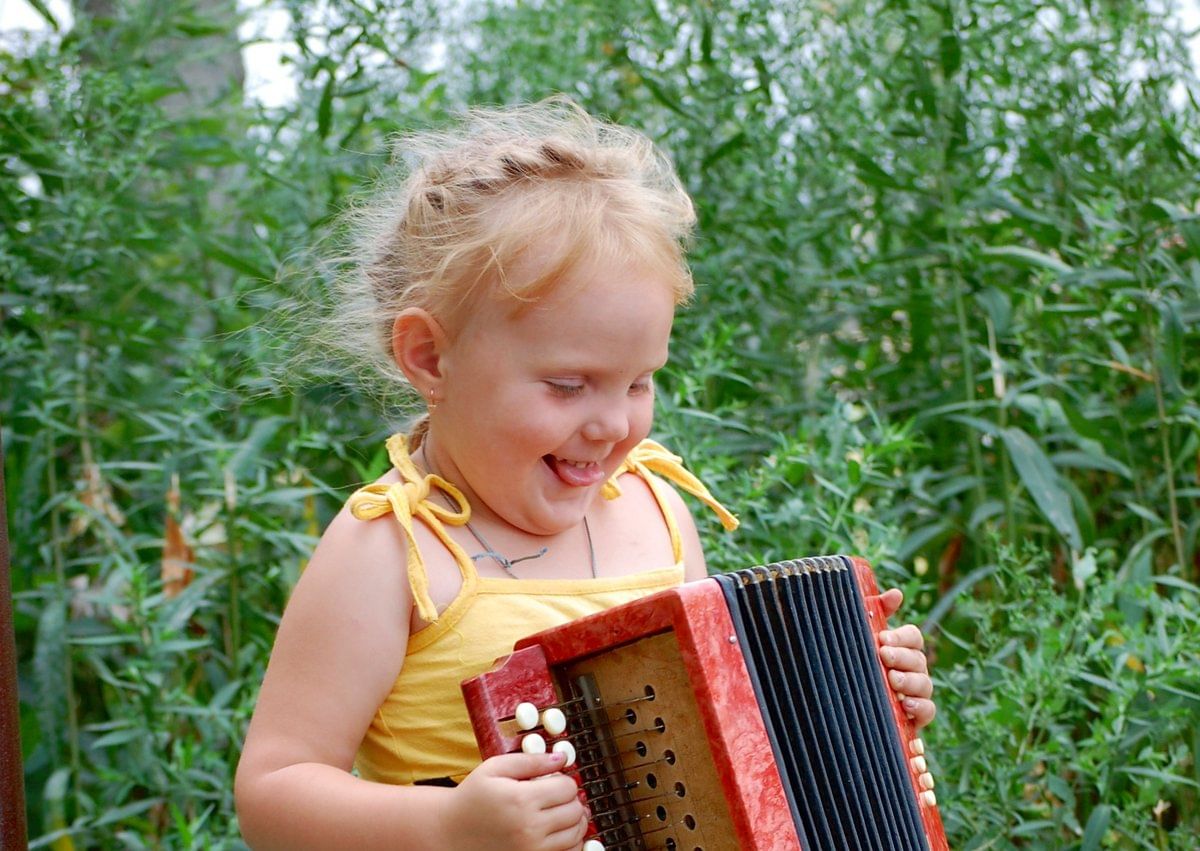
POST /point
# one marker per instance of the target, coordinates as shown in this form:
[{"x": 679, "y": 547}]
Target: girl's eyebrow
[{"x": 586, "y": 369}]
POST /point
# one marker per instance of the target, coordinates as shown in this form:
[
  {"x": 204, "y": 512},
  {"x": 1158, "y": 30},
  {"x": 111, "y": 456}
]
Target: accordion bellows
[{"x": 745, "y": 711}]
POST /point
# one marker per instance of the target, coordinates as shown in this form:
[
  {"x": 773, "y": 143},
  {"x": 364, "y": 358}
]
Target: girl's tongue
[{"x": 575, "y": 475}]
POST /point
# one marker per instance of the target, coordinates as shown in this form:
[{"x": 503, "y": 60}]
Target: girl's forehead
[
  {"x": 624, "y": 305},
  {"x": 618, "y": 286}
]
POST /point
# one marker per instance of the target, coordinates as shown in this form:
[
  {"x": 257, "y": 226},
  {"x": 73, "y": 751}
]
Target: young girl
[{"x": 524, "y": 281}]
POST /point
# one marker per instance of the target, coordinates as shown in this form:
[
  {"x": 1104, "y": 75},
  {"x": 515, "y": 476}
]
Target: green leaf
[
  {"x": 1090, "y": 461},
  {"x": 119, "y": 737},
  {"x": 1030, "y": 827},
  {"x": 735, "y": 141},
  {"x": 1043, "y": 483},
  {"x": 127, "y": 811},
  {"x": 1097, "y": 825},
  {"x": 1143, "y": 512},
  {"x": 1020, "y": 256},
  {"x": 660, "y": 95},
  {"x": 42, "y": 9},
  {"x": 1170, "y": 346},
  {"x": 1007, "y": 202},
  {"x": 947, "y": 601},
  {"x": 986, "y": 510},
  {"x": 977, "y": 423},
  {"x": 1174, "y": 212},
  {"x": 252, "y": 448},
  {"x": 1176, "y": 582},
  {"x": 871, "y": 173},
  {"x": 325, "y": 108},
  {"x": 51, "y": 656},
  {"x": 1079, "y": 423},
  {"x": 998, "y": 307},
  {"x": 951, "y": 54},
  {"x": 1155, "y": 774},
  {"x": 919, "y": 538},
  {"x": 236, "y": 262}
]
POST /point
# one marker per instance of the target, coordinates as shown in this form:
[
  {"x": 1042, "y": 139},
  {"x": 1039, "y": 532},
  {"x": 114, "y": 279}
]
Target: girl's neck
[{"x": 497, "y": 541}]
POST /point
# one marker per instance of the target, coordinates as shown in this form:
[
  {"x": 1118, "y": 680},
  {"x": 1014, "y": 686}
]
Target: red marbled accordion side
[{"x": 698, "y": 615}]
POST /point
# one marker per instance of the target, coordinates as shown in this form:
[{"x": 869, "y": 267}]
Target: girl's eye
[
  {"x": 565, "y": 390},
  {"x": 639, "y": 388}
]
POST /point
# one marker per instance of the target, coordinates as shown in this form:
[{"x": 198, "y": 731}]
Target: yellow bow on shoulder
[{"x": 409, "y": 498}]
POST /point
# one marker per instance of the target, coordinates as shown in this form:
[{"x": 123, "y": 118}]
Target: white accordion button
[
  {"x": 593, "y": 845},
  {"x": 929, "y": 799},
  {"x": 918, "y": 764},
  {"x": 526, "y": 715},
  {"x": 533, "y": 743},
  {"x": 926, "y": 780},
  {"x": 566, "y": 748},
  {"x": 554, "y": 721},
  {"x": 917, "y": 746}
]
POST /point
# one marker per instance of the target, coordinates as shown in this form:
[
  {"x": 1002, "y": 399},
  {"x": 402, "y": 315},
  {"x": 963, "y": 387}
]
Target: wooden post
[{"x": 12, "y": 777}]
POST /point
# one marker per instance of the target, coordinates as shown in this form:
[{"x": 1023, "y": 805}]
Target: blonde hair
[{"x": 471, "y": 202}]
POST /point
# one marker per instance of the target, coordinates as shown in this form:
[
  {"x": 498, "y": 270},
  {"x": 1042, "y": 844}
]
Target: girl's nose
[{"x": 607, "y": 425}]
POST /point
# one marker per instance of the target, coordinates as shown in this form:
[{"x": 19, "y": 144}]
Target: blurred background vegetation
[{"x": 948, "y": 317}]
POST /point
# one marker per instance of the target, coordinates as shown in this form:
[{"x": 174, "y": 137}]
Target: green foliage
[
  {"x": 1076, "y": 712},
  {"x": 948, "y": 317}
]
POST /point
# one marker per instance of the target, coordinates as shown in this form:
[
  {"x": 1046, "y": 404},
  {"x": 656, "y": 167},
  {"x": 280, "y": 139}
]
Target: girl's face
[{"x": 538, "y": 408}]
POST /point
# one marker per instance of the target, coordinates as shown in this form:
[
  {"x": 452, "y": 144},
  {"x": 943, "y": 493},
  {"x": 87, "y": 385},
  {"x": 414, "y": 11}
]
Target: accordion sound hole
[{"x": 648, "y": 773}]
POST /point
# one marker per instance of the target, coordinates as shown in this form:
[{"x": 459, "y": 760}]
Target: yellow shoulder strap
[
  {"x": 650, "y": 457},
  {"x": 409, "y": 498}
]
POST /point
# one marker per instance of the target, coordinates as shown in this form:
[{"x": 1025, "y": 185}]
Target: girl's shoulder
[
  {"x": 363, "y": 552},
  {"x": 651, "y": 524}
]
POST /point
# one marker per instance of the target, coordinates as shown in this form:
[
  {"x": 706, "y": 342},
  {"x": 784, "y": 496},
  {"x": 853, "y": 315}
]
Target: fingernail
[
  {"x": 910, "y": 704},
  {"x": 888, "y": 654},
  {"x": 886, "y": 636},
  {"x": 897, "y": 680},
  {"x": 557, "y": 757}
]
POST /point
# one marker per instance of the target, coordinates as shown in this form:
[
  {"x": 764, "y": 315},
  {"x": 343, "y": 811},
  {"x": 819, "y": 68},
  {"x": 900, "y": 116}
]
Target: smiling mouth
[{"x": 579, "y": 474}]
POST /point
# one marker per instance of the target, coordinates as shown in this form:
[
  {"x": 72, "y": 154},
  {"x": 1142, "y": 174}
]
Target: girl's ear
[{"x": 418, "y": 344}]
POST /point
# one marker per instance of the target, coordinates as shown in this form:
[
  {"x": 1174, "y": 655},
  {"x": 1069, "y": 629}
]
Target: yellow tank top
[{"x": 421, "y": 730}]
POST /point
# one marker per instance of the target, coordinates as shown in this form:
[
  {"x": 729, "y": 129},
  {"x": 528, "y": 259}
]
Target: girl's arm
[{"x": 337, "y": 654}]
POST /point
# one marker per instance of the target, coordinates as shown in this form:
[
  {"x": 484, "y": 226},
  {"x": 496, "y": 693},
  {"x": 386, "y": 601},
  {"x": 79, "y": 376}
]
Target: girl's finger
[
  {"x": 911, "y": 685},
  {"x": 565, "y": 829},
  {"x": 891, "y": 600},
  {"x": 908, "y": 635},
  {"x": 904, "y": 659},
  {"x": 522, "y": 766},
  {"x": 920, "y": 710},
  {"x": 554, "y": 791}
]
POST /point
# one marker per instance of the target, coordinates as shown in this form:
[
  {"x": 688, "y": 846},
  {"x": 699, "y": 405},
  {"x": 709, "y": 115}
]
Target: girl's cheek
[{"x": 644, "y": 422}]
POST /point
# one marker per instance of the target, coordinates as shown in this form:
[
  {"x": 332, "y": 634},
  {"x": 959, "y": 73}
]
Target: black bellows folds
[{"x": 812, "y": 658}]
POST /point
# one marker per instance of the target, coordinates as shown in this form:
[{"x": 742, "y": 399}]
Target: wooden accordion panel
[{"x": 745, "y": 711}]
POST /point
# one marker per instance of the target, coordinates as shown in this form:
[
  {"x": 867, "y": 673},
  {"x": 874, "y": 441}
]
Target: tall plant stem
[
  {"x": 1164, "y": 436},
  {"x": 964, "y": 344},
  {"x": 60, "y": 578},
  {"x": 233, "y": 620},
  {"x": 999, "y": 386},
  {"x": 1164, "y": 427},
  {"x": 950, "y": 212}
]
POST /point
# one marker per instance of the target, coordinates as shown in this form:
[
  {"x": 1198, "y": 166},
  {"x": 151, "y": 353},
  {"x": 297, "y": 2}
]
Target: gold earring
[{"x": 431, "y": 406}]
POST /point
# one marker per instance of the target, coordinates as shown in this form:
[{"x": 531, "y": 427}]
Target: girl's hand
[
  {"x": 908, "y": 671},
  {"x": 519, "y": 802}
]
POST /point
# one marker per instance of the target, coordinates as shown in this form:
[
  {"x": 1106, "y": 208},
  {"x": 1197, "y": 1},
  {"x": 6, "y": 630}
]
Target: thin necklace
[{"x": 506, "y": 563}]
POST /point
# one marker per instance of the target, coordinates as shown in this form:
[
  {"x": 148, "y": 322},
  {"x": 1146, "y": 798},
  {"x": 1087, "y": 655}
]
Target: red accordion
[{"x": 745, "y": 711}]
